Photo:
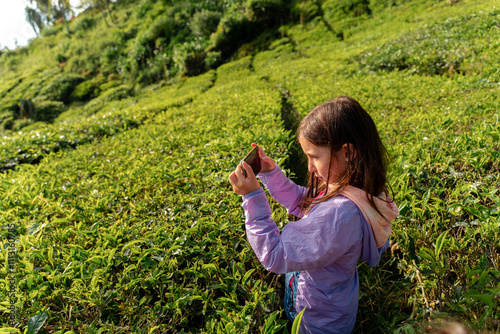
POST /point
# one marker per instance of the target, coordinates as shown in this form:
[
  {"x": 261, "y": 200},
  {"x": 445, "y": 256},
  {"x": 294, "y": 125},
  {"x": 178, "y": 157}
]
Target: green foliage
[
  {"x": 342, "y": 9},
  {"x": 379, "y": 5},
  {"x": 150, "y": 59},
  {"x": 111, "y": 94},
  {"x": 52, "y": 30},
  {"x": 233, "y": 30},
  {"x": 205, "y": 22},
  {"x": 10, "y": 59},
  {"x": 9, "y": 107},
  {"x": 60, "y": 87},
  {"x": 265, "y": 13},
  {"x": 83, "y": 22},
  {"x": 36, "y": 322},
  {"x": 47, "y": 111},
  {"x": 109, "y": 84},
  {"x": 161, "y": 259},
  {"x": 155, "y": 40},
  {"x": 447, "y": 47},
  {"x": 304, "y": 10},
  {"x": 242, "y": 23},
  {"x": 19, "y": 124},
  {"x": 297, "y": 321},
  {"x": 102, "y": 118},
  {"x": 85, "y": 90},
  {"x": 122, "y": 202},
  {"x": 213, "y": 60}
]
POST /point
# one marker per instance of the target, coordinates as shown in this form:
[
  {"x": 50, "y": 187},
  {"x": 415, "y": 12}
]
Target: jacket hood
[{"x": 378, "y": 227}]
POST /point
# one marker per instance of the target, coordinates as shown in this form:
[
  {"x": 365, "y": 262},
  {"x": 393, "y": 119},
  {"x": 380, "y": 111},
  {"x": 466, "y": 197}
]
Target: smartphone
[{"x": 253, "y": 159}]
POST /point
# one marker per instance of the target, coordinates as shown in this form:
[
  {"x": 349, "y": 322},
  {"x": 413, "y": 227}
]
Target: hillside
[{"x": 118, "y": 133}]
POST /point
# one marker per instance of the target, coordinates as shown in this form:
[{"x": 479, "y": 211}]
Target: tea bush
[
  {"x": 429, "y": 119},
  {"x": 124, "y": 205},
  {"x": 445, "y": 48},
  {"x": 233, "y": 30},
  {"x": 60, "y": 88},
  {"x": 266, "y": 13},
  {"x": 85, "y": 91},
  {"x": 47, "y": 111},
  {"x": 84, "y": 22},
  {"x": 78, "y": 127},
  {"x": 303, "y": 11},
  {"x": 20, "y": 88},
  {"x": 347, "y": 8},
  {"x": 180, "y": 251},
  {"x": 111, "y": 94},
  {"x": 204, "y": 22}
]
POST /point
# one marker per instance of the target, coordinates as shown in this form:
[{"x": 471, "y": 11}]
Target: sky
[{"x": 13, "y": 24}]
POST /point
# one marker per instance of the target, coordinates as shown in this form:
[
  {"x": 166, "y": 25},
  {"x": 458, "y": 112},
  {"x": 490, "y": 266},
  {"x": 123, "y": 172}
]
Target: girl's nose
[{"x": 310, "y": 167}]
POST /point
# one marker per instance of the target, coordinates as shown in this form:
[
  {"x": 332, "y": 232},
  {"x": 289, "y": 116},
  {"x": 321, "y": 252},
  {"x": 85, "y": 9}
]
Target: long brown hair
[{"x": 335, "y": 123}]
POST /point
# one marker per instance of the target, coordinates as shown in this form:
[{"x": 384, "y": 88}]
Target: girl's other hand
[
  {"x": 266, "y": 164},
  {"x": 243, "y": 185}
]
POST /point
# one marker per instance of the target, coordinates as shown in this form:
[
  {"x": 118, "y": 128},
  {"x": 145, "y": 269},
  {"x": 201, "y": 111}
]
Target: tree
[
  {"x": 100, "y": 5},
  {"x": 61, "y": 11},
  {"x": 35, "y": 19},
  {"x": 48, "y": 12}
]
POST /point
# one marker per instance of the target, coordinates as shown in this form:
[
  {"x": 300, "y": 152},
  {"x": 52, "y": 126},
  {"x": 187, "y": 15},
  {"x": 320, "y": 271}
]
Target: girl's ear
[{"x": 349, "y": 151}]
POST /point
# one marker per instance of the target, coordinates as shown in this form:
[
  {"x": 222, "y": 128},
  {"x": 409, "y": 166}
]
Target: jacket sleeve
[
  {"x": 328, "y": 232},
  {"x": 283, "y": 190}
]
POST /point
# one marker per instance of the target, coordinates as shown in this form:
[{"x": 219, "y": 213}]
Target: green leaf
[
  {"x": 246, "y": 276},
  {"x": 426, "y": 196},
  {"x": 9, "y": 330},
  {"x": 110, "y": 255},
  {"x": 269, "y": 323},
  {"x": 209, "y": 266},
  {"x": 475, "y": 212},
  {"x": 411, "y": 248},
  {"x": 403, "y": 209},
  {"x": 296, "y": 322},
  {"x": 426, "y": 254},
  {"x": 486, "y": 299},
  {"x": 440, "y": 243},
  {"x": 133, "y": 242},
  {"x": 427, "y": 272},
  {"x": 36, "y": 322},
  {"x": 455, "y": 208}
]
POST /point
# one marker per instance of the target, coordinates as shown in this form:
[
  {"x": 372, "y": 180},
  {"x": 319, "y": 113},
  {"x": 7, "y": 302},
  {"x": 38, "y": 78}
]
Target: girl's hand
[
  {"x": 243, "y": 185},
  {"x": 266, "y": 164}
]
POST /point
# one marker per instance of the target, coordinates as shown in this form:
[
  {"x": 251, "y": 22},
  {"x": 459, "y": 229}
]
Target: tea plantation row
[
  {"x": 102, "y": 116},
  {"x": 443, "y": 132},
  {"x": 146, "y": 220},
  {"x": 135, "y": 229}
]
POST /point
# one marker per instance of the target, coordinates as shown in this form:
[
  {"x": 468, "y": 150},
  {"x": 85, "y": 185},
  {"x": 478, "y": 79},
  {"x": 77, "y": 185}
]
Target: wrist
[
  {"x": 253, "y": 193},
  {"x": 249, "y": 190}
]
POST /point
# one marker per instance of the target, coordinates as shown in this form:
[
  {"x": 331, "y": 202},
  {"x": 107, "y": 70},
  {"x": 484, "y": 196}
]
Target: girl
[{"x": 345, "y": 212}]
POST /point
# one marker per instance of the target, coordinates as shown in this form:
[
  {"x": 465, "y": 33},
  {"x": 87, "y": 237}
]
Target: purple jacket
[{"x": 325, "y": 245}]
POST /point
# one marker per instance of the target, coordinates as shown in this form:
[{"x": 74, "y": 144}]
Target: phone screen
[{"x": 253, "y": 159}]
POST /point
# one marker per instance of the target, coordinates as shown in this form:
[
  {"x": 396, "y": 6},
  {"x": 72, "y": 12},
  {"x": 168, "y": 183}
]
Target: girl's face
[{"x": 318, "y": 161}]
